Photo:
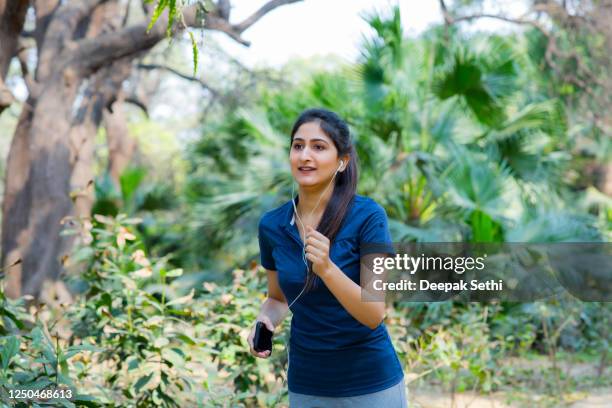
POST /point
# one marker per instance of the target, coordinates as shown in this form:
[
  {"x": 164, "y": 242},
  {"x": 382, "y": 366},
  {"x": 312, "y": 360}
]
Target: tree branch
[
  {"x": 265, "y": 9},
  {"x": 218, "y": 19},
  {"x": 519, "y": 21},
  {"x": 61, "y": 25},
  {"x": 92, "y": 53},
  {"x": 447, "y": 18},
  {"x": 150, "y": 67},
  {"x": 219, "y": 24},
  {"x": 136, "y": 101}
]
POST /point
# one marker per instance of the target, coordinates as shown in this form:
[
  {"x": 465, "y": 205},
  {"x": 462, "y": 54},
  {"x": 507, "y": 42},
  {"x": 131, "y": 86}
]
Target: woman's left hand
[{"x": 317, "y": 251}]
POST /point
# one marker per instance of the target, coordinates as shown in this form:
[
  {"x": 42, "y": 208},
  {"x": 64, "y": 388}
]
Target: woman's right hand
[{"x": 270, "y": 326}]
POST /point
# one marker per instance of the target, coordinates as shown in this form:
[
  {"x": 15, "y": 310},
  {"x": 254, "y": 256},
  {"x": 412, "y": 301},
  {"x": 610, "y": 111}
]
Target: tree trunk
[
  {"x": 50, "y": 162},
  {"x": 38, "y": 190},
  {"x": 16, "y": 196}
]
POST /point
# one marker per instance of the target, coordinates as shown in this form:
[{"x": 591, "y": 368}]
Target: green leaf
[
  {"x": 194, "y": 49},
  {"x": 130, "y": 179},
  {"x": 133, "y": 363},
  {"x": 173, "y": 357},
  {"x": 14, "y": 318},
  {"x": 174, "y": 273},
  {"x": 156, "y": 398},
  {"x": 40, "y": 340},
  {"x": 152, "y": 300},
  {"x": 86, "y": 400},
  {"x": 40, "y": 384},
  {"x": 172, "y": 11},
  {"x": 82, "y": 254},
  {"x": 73, "y": 350},
  {"x": 62, "y": 361},
  {"x": 142, "y": 381},
  {"x": 11, "y": 347},
  {"x": 64, "y": 379},
  {"x": 159, "y": 9},
  {"x": 161, "y": 342},
  {"x": 183, "y": 299},
  {"x": 62, "y": 402},
  {"x": 186, "y": 338}
]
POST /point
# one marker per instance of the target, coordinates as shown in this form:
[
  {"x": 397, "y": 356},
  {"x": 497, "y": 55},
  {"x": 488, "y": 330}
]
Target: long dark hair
[{"x": 345, "y": 185}]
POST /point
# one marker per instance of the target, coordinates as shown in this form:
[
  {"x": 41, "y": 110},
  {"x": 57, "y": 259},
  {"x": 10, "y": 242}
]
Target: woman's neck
[{"x": 311, "y": 197}]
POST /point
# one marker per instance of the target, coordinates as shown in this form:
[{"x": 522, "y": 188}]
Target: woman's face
[{"x": 313, "y": 156}]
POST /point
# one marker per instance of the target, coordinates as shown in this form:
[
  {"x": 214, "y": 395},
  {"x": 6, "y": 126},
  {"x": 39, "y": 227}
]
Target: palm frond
[{"x": 558, "y": 226}]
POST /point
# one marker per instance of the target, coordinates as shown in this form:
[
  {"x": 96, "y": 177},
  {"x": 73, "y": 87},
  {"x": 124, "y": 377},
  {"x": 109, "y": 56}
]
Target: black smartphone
[{"x": 262, "y": 340}]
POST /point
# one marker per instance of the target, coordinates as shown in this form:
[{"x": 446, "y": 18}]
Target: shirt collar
[
  {"x": 289, "y": 222},
  {"x": 290, "y": 219}
]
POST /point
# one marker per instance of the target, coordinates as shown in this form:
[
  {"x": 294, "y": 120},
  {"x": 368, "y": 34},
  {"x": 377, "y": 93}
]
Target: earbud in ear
[{"x": 341, "y": 164}]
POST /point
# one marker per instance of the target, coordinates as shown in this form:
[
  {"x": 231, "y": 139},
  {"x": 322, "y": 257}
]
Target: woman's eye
[{"x": 299, "y": 146}]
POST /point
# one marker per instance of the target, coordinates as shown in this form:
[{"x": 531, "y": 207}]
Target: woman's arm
[
  {"x": 275, "y": 306},
  {"x": 347, "y": 292},
  {"x": 272, "y": 313}
]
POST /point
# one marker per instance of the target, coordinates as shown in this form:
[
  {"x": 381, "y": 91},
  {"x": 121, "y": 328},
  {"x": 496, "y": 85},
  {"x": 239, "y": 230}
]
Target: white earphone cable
[{"x": 304, "y": 244}]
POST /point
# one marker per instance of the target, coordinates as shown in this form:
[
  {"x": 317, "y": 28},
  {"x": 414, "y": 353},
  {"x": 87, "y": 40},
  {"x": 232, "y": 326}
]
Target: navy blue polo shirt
[{"x": 331, "y": 353}]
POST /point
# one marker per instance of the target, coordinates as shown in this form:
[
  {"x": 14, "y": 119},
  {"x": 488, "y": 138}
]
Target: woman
[{"x": 340, "y": 353}]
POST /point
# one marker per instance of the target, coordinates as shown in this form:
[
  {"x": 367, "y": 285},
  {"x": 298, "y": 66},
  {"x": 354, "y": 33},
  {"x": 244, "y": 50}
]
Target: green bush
[{"x": 154, "y": 345}]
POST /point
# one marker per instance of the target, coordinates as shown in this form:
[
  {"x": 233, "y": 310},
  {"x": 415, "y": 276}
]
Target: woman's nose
[{"x": 305, "y": 153}]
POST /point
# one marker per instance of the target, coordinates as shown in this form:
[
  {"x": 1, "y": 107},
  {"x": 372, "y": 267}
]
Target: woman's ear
[{"x": 344, "y": 163}]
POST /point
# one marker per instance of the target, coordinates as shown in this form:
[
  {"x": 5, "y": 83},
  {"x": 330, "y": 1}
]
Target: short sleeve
[
  {"x": 265, "y": 247},
  {"x": 374, "y": 236}
]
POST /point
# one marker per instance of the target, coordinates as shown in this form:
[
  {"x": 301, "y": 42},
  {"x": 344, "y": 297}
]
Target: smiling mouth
[{"x": 306, "y": 169}]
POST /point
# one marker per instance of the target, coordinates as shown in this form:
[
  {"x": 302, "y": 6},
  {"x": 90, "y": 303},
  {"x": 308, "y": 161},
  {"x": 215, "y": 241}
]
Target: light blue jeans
[{"x": 392, "y": 397}]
